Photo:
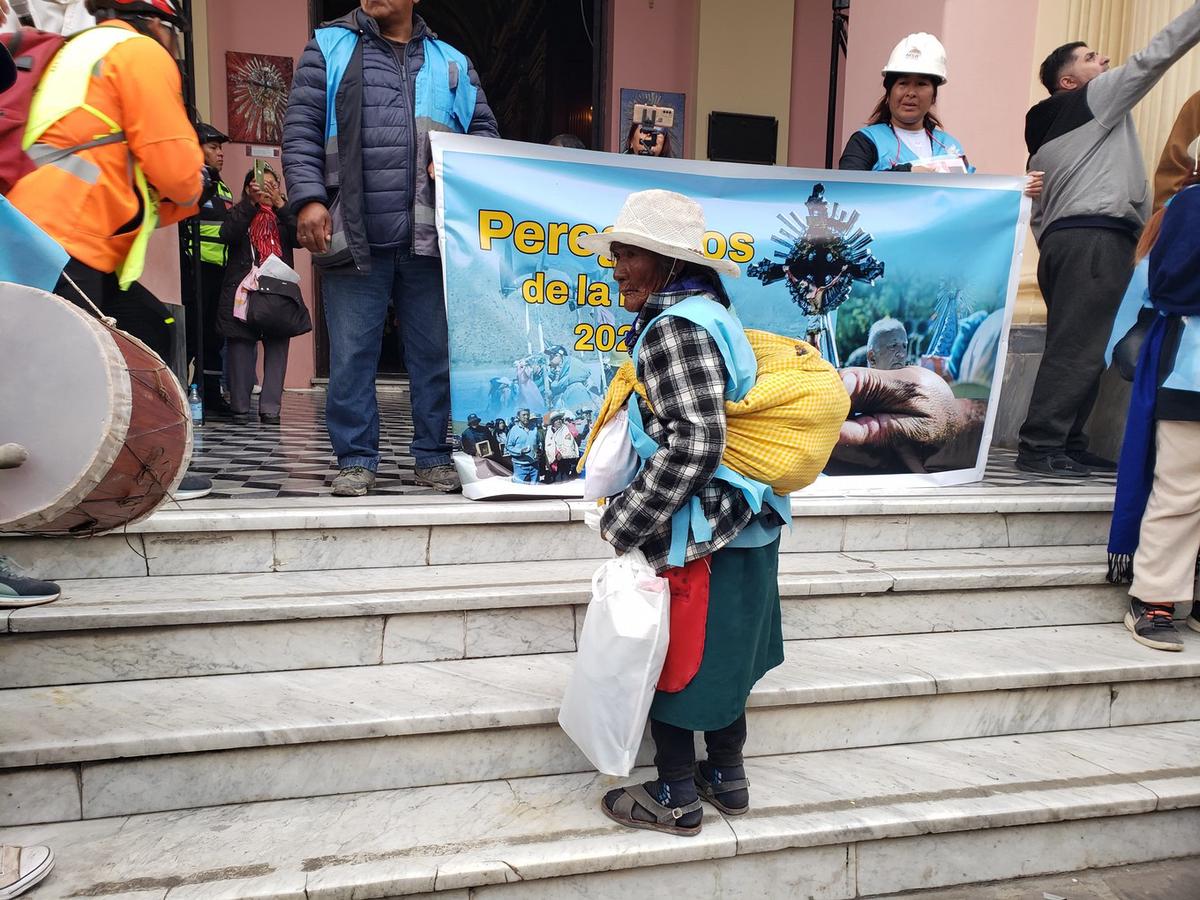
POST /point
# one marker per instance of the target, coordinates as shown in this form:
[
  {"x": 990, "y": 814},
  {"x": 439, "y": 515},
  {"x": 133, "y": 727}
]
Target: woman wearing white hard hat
[
  {"x": 903, "y": 133},
  {"x": 691, "y": 354}
]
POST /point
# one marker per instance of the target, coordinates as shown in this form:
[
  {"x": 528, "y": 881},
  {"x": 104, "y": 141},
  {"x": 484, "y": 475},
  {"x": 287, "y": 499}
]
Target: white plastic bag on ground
[
  {"x": 612, "y": 463},
  {"x": 621, "y": 653}
]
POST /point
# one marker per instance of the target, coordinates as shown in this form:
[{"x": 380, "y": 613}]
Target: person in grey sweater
[{"x": 1087, "y": 221}]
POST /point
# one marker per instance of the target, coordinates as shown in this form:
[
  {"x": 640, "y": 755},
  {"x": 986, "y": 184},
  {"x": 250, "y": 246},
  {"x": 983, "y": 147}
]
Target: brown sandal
[
  {"x": 664, "y": 816},
  {"x": 712, "y": 793}
]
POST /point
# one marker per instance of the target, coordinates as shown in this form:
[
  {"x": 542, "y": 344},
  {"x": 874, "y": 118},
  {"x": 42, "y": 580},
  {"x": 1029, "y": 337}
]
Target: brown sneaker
[
  {"x": 440, "y": 478},
  {"x": 353, "y": 481}
]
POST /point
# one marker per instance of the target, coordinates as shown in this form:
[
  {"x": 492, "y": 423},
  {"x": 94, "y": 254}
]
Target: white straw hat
[{"x": 663, "y": 222}]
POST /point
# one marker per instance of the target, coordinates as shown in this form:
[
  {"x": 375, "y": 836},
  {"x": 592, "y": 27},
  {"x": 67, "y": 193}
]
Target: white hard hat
[{"x": 919, "y": 54}]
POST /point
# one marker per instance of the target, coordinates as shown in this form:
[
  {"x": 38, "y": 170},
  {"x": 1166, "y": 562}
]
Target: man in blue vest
[{"x": 369, "y": 89}]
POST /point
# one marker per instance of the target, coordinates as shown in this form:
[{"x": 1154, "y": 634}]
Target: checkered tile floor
[
  {"x": 1002, "y": 471},
  {"x": 293, "y": 459}
]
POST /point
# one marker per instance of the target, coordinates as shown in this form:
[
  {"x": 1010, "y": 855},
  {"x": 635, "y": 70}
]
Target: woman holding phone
[{"x": 257, "y": 227}]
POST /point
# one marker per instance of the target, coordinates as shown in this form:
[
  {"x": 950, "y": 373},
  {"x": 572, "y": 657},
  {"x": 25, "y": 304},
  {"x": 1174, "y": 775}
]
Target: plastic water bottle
[{"x": 196, "y": 405}]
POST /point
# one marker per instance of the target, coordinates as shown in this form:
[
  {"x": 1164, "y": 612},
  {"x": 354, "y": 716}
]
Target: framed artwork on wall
[
  {"x": 659, "y": 99},
  {"x": 257, "y": 88}
]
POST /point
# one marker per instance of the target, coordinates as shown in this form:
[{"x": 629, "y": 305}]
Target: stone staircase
[{"x": 332, "y": 701}]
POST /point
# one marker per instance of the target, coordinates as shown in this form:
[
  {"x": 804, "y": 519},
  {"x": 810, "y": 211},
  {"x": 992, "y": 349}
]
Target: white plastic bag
[
  {"x": 274, "y": 267},
  {"x": 621, "y": 653},
  {"x": 612, "y": 463}
]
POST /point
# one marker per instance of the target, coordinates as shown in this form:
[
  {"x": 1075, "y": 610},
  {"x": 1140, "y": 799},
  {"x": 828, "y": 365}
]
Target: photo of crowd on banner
[{"x": 536, "y": 421}]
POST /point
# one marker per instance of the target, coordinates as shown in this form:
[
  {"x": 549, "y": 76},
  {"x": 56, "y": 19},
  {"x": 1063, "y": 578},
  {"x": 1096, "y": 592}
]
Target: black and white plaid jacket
[{"x": 685, "y": 379}]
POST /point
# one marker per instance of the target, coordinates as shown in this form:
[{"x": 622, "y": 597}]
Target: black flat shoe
[
  {"x": 267, "y": 419},
  {"x": 1053, "y": 467}
]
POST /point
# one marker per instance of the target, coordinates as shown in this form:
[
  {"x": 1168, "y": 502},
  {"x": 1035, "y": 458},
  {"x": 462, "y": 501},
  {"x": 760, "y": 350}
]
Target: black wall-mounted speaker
[{"x": 741, "y": 137}]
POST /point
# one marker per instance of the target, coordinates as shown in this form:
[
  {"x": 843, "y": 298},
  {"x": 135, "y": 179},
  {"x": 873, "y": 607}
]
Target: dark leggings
[
  {"x": 675, "y": 748},
  {"x": 136, "y": 310},
  {"x": 243, "y": 360}
]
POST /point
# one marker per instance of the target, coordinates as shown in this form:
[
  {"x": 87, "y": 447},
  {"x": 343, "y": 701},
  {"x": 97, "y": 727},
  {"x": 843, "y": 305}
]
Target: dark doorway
[
  {"x": 536, "y": 60},
  {"x": 540, "y": 66}
]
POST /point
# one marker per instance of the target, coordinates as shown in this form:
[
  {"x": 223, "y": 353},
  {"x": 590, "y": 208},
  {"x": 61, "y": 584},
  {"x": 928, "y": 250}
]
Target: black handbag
[
  {"x": 1129, "y": 348},
  {"x": 276, "y": 309}
]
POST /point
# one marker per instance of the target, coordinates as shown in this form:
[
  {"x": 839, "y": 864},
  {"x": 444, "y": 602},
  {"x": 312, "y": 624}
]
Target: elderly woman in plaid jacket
[{"x": 695, "y": 528}]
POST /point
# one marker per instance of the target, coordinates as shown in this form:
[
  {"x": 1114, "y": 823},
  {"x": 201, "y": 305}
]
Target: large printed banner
[{"x": 906, "y": 282}]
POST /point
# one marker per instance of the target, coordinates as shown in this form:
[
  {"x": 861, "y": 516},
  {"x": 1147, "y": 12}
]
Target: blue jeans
[
  {"x": 525, "y": 473},
  {"x": 355, "y": 313}
]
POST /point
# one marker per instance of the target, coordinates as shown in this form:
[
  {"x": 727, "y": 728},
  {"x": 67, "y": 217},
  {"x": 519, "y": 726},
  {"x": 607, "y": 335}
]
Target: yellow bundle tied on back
[{"x": 785, "y": 428}]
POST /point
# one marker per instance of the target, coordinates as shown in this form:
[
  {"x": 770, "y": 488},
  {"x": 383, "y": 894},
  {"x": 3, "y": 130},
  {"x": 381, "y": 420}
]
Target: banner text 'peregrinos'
[{"x": 553, "y": 238}]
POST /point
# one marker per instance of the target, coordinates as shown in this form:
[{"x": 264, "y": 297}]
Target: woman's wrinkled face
[
  {"x": 638, "y": 273},
  {"x": 911, "y": 98}
]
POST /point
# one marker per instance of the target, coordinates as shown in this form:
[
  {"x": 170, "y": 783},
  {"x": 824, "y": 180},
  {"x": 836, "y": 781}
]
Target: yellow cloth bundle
[{"x": 783, "y": 431}]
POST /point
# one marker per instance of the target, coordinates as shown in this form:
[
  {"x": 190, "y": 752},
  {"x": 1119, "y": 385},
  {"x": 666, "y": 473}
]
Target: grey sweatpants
[{"x": 1083, "y": 274}]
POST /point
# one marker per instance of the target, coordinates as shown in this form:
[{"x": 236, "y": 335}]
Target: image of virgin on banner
[{"x": 905, "y": 283}]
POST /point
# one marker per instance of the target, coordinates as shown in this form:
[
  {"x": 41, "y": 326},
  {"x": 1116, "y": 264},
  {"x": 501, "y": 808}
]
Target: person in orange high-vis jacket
[{"x": 116, "y": 165}]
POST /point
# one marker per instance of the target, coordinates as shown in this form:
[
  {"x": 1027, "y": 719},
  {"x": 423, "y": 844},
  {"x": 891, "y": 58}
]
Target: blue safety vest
[
  {"x": 444, "y": 92},
  {"x": 894, "y": 152}
]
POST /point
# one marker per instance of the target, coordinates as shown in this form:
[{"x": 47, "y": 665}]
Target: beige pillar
[
  {"x": 201, "y": 63},
  {"x": 745, "y": 65}
]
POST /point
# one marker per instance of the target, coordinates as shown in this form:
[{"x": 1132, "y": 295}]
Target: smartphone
[
  {"x": 261, "y": 167},
  {"x": 658, "y": 116}
]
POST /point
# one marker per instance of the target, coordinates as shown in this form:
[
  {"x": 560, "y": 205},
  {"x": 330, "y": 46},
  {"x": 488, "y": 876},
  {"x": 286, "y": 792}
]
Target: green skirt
[{"x": 743, "y": 640}]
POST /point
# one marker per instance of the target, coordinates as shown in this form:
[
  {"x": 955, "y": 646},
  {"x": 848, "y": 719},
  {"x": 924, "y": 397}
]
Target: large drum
[{"x": 105, "y": 422}]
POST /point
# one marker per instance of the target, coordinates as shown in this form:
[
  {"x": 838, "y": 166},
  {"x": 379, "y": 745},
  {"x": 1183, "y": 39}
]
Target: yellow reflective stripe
[
  {"x": 131, "y": 269},
  {"x": 113, "y": 127}
]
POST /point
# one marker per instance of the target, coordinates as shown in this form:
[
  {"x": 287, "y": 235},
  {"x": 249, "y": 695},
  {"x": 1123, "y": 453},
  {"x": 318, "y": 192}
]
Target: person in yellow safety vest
[
  {"x": 214, "y": 209},
  {"x": 117, "y": 156}
]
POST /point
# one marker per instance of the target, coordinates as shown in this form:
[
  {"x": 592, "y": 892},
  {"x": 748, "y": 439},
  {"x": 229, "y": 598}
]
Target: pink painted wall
[
  {"x": 812, "y": 31},
  {"x": 278, "y": 28},
  {"x": 989, "y": 49},
  {"x": 161, "y": 276},
  {"x": 653, "y": 45}
]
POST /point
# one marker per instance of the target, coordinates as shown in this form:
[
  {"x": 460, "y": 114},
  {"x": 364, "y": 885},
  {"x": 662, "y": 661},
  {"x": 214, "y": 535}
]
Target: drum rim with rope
[{"x": 123, "y": 387}]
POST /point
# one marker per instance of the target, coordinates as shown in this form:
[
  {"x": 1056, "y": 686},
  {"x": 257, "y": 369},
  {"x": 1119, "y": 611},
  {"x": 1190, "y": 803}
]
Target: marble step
[
  {"x": 109, "y": 749},
  {"x": 174, "y": 626},
  {"x": 423, "y": 531},
  {"x": 835, "y": 825}
]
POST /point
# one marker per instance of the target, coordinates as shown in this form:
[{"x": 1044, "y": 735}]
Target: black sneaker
[
  {"x": 193, "y": 487},
  {"x": 1061, "y": 466},
  {"x": 268, "y": 419},
  {"x": 17, "y": 591},
  {"x": 1153, "y": 624},
  {"x": 1193, "y": 619},
  {"x": 1090, "y": 460}
]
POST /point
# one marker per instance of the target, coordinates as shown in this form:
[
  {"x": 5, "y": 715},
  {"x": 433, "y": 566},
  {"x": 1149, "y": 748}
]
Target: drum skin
[{"x": 105, "y": 421}]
